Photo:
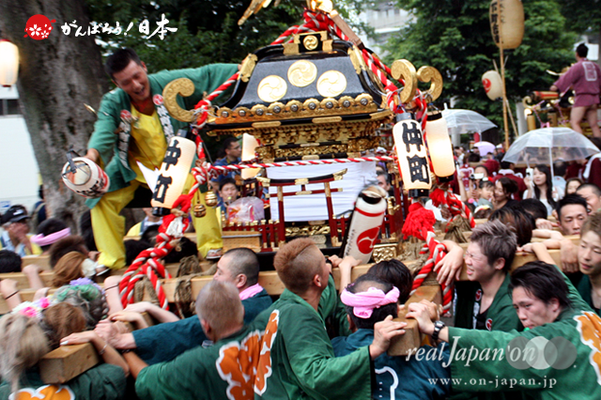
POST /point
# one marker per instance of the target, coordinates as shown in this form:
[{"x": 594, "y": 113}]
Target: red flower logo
[{"x": 38, "y": 27}]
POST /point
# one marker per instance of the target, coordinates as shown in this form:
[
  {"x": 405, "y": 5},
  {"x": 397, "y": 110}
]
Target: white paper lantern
[
  {"x": 173, "y": 174},
  {"x": 87, "y": 180},
  {"x": 440, "y": 147},
  {"x": 493, "y": 85},
  {"x": 509, "y": 13},
  {"x": 249, "y": 145},
  {"x": 412, "y": 155},
  {"x": 9, "y": 63}
]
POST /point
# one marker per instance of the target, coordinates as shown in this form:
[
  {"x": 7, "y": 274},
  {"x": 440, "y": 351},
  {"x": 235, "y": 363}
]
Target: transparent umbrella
[
  {"x": 546, "y": 145},
  {"x": 466, "y": 121}
]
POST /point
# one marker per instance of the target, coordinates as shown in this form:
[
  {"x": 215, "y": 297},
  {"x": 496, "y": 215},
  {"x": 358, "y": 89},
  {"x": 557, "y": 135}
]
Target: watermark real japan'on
[
  {"x": 39, "y": 27},
  {"x": 521, "y": 353}
]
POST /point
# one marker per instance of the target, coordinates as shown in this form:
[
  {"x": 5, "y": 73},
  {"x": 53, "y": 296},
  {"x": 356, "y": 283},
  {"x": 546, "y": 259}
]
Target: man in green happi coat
[
  {"x": 224, "y": 370},
  {"x": 484, "y": 302},
  {"x": 557, "y": 321},
  {"x": 297, "y": 360},
  {"x": 133, "y": 129}
]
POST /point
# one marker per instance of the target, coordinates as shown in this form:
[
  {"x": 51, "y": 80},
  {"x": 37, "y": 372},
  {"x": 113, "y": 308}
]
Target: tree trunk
[{"x": 57, "y": 75}]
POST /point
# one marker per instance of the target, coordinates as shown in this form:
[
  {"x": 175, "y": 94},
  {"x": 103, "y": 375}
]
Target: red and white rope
[{"x": 437, "y": 252}]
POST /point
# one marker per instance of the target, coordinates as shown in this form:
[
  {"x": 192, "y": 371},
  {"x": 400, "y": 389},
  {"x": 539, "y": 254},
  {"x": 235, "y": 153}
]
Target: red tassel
[
  {"x": 438, "y": 197},
  {"x": 419, "y": 221}
]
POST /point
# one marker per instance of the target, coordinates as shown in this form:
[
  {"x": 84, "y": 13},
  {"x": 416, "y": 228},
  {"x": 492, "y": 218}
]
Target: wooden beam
[
  {"x": 172, "y": 268},
  {"x": 189, "y": 235},
  {"x": 412, "y": 339},
  {"x": 65, "y": 363},
  {"x": 268, "y": 279},
  {"x": 41, "y": 261},
  {"x": 519, "y": 260},
  {"x": 23, "y": 281}
]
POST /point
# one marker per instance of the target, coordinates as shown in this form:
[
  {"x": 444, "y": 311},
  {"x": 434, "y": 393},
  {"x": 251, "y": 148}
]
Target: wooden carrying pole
[{"x": 505, "y": 122}]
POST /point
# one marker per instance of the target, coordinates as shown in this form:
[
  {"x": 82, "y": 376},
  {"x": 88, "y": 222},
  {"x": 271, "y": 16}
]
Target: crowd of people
[{"x": 314, "y": 341}]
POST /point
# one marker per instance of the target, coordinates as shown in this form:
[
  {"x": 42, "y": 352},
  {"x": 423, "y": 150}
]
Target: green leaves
[{"x": 454, "y": 37}]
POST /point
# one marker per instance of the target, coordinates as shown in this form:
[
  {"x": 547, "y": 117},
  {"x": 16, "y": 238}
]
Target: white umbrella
[
  {"x": 543, "y": 146},
  {"x": 485, "y": 147},
  {"x": 466, "y": 121}
]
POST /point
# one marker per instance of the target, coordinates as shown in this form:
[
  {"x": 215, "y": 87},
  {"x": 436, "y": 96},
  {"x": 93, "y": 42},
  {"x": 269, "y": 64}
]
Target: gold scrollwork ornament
[
  {"x": 403, "y": 69},
  {"x": 431, "y": 74},
  {"x": 184, "y": 87}
]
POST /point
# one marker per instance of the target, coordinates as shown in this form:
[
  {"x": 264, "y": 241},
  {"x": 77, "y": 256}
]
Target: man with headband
[
  {"x": 49, "y": 232},
  {"x": 368, "y": 301}
]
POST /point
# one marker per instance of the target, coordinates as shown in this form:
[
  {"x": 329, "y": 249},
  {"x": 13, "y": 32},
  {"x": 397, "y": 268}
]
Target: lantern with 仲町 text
[
  {"x": 173, "y": 174},
  {"x": 9, "y": 63},
  {"x": 440, "y": 147},
  {"x": 507, "y": 23},
  {"x": 493, "y": 85},
  {"x": 249, "y": 144},
  {"x": 412, "y": 155}
]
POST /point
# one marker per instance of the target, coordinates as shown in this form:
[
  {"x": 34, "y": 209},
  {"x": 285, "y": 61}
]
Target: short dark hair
[
  {"x": 505, "y": 165},
  {"x": 534, "y": 207},
  {"x": 396, "y": 273},
  {"x": 9, "y": 261},
  {"x": 568, "y": 200},
  {"x": 543, "y": 281},
  {"x": 119, "y": 60},
  {"x": 227, "y": 181},
  {"x": 496, "y": 240},
  {"x": 246, "y": 263},
  {"x": 482, "y": 166},
  {"x": 228, "y": 142},
  {"x": 591, "y": 186},
  {"x": 582, "y": 50},
  {"x": 362, "y": 284}
]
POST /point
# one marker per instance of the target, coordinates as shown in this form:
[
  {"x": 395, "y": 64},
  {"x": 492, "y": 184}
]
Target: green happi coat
[
  {"x": 221, "y": 371},
  {"x": 103, "y": 382},
  {"x": 585, "y": 290},
  {"x": 579, "y": 325},
  {"x": 501, "y": 314},
  {"x": 112, "y": 130},
  {"x": 298, "y": 361}
]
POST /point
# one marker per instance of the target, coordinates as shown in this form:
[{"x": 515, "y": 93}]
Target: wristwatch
[{"x": 438, "y": 325}]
